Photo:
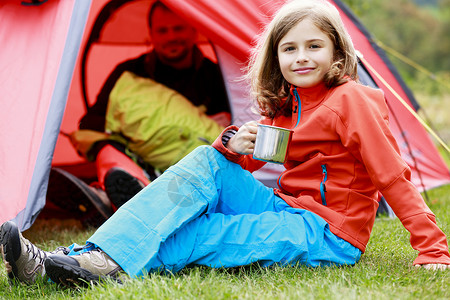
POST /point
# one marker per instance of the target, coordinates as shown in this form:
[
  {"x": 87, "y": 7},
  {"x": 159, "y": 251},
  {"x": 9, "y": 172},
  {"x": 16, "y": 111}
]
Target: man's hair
[
  {"x": 152, "y": 9},
  {"x": 268, "y": 85}
]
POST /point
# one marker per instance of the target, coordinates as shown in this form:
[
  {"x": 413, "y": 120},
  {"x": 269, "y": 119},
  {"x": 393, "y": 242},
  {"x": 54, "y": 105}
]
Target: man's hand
[
  {"x": 243, "y": 142},
  {"x": 83, "y": 139}
]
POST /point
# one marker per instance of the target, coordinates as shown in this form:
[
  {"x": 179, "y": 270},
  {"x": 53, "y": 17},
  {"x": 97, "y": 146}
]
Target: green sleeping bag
[{"x": 161, "y": 125}]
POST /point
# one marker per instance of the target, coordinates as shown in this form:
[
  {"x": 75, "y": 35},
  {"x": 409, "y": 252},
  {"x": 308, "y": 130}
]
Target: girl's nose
[{"x": 302, "y": 56}]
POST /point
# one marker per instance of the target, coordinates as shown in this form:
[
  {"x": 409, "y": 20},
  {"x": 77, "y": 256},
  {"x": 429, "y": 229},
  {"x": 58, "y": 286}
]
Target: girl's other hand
[
  {"x": 243, "y": 142},
  {"x": 434, "y": 266}
]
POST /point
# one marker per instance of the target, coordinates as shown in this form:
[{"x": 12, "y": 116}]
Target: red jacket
[{"x": 342, "y": 153}]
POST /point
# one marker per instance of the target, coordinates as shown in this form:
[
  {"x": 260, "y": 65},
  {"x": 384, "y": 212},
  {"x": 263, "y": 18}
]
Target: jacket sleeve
[
  {"x": 365, "y": 132},
  {"x": 409, "y": 206},
  {"x": 95, "y": 117},
  {"x": 245, "y": 161}
]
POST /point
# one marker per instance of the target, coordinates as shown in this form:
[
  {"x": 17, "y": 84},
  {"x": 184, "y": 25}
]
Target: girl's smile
[
  {"x": 305, "y": 54},
  {"x": 303, "y": 70}
]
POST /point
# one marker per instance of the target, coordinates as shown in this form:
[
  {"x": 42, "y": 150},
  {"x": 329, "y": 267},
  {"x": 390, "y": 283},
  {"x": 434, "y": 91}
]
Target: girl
[{"x": 209, "y": 210}]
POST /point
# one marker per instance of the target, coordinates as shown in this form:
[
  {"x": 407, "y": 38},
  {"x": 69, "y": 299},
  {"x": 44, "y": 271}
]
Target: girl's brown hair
[{"x": 268, "y": 85}]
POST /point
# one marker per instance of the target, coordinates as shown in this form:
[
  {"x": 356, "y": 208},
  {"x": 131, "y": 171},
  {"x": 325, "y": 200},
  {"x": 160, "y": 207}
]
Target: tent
[{"x": 57, "y": 53}]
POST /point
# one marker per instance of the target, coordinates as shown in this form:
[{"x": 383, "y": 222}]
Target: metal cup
[{"x": 272, "y": 143}]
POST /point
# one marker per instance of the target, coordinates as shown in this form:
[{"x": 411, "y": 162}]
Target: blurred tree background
[{"x": 418, "y": 30}]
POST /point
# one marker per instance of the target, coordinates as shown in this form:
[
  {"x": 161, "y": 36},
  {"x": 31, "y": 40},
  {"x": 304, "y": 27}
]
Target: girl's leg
[
  {"x": 287, "y": 237},
  {"x": 192, "y": 187}
]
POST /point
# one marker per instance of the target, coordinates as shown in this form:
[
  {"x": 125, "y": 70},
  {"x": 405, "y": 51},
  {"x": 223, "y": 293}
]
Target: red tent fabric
[
  {"x": 39, "y": 48},
  {"x": 231, "y": 26}
]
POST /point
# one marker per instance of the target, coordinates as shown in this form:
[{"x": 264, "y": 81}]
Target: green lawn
[{"x": 384, "y": 272}]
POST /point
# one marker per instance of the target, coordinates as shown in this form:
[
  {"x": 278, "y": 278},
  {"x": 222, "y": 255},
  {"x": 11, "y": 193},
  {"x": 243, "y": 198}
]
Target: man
[{"x": 175, "y": 62}]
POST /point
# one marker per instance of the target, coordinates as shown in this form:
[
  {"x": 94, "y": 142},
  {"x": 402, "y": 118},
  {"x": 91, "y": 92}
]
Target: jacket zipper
[
  {"x": 323, "y": 188},
  {"x": 297, "y": 108}
]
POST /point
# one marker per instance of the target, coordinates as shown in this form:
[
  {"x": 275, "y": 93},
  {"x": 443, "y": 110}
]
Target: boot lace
[{"x": 37, "y": 254}]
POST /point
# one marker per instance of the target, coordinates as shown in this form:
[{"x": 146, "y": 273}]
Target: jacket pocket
[{"x": 323, "y": 188}]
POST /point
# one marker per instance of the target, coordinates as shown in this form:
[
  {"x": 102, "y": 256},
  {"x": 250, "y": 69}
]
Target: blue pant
[{"x": 206, "y": 210}]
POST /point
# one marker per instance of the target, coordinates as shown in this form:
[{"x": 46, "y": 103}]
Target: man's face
[{"x": 172, "y": 37}]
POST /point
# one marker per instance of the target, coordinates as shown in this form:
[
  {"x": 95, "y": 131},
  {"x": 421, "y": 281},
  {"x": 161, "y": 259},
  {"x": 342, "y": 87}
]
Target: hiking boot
[
  {"x": 23, "y": 260},
  {"x": 121, "y": 186},
  {"x": 80, "y": 270},
  {"x": 89, "y": 204}
]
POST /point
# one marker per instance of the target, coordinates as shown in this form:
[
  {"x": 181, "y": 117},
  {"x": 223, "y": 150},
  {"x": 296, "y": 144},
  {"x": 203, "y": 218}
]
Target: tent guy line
[{"x": 412, "y": 111}]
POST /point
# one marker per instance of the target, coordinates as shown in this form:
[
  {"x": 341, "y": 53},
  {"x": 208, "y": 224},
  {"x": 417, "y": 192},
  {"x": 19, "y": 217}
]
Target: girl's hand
[
  {"x": 243, "y": 142},
  {"x": 434, "y": 266}
]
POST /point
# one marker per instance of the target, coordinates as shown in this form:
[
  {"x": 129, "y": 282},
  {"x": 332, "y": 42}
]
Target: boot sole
[
  {"x": 120, "y": 186},
  {"x": 10, "y": 243},
  {"x": 70, "y": 276},
  {"x": 68, "y": 192}
]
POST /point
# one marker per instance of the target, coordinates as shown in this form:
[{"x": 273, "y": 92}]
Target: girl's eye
[
  {"x": 287, "y": 49},
  {"x": 314, "y": 46}
]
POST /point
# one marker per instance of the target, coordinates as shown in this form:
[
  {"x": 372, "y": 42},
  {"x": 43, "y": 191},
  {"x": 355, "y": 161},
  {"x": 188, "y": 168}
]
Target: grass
[{"x": 384, "y": 272}]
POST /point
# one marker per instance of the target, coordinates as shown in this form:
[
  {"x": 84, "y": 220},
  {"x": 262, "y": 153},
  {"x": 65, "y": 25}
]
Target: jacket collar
[{"x": 309, "y": 97}]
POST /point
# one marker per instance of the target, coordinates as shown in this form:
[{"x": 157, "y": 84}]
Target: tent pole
[{"x": 416, "y": 165}]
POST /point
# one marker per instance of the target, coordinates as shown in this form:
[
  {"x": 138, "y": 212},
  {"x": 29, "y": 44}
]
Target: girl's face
[{"x": 305, "y": 54}]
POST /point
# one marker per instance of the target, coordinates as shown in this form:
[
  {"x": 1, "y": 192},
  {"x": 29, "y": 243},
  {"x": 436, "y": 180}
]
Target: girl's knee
[
  {"x": 202, "y": 150},
  {"x": 207, "y": 153},
  {"x": 205, "y": 149}
]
